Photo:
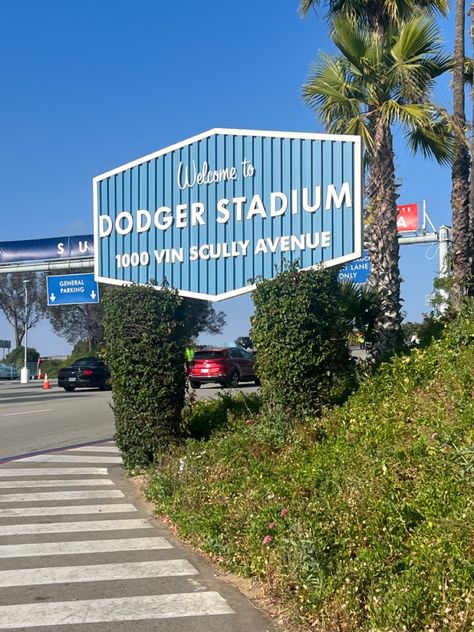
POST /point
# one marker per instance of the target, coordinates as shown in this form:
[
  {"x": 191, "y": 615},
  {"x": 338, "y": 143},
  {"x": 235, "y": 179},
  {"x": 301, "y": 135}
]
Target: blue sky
[{"x": 90, "y": 85}]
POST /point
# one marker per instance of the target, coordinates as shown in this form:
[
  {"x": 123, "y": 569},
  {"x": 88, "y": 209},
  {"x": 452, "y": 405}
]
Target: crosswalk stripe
[
  {"x": 74, "y": 527},
  {"x": 83, "y": 546},
  {"x": 95, "y": 573},
  {"x": 78, "y": 482},
  {"x": 117, "y": 609},
  {"x": 74, "y": 495},
  {"x": 95, "y": 448},
  {"x": 72, "y": 458},
  {"x": 22, "y": 485},
  {"x": 66, "y": 511},
  {"x": 56, "y": 471}
]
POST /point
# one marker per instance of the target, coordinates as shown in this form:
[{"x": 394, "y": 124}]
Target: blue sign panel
[
  {"x": 212, "y": 214},
  {"x": 356, "y": 271},
  {"x": 72, "y": 289},
  {"x": 50, "y": 249}
]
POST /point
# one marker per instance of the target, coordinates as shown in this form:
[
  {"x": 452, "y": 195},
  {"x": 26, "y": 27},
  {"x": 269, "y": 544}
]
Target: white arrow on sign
[
  {"x": 52, "y": 297},
  {"x": 93, "y": 295}
]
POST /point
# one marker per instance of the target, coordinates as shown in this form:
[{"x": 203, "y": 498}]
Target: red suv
[{"x": 226, "y": 366}]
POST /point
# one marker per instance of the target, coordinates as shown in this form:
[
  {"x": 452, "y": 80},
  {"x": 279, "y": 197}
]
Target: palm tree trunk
[
  {"x": 462, "y": 245},
  {"x": 381, "y": 227}
]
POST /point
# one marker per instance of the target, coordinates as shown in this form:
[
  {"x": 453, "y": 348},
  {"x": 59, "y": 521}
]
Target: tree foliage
[
  {"x": 145, "y": 337},
  {"x": 202, "y": 317},
  {"x": 300, "y": 328},
  {"x": 78, "y": 323},
  {"x": 17, "y": 356},
  {"x": 12, "y": 300},
  {"x": 375, "y": 83}
]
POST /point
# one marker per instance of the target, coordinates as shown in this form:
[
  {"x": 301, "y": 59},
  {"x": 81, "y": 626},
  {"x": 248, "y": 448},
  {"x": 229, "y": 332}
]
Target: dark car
[
  {"x": 226, "y": 366},
  {"x": 84, "y": 373}
]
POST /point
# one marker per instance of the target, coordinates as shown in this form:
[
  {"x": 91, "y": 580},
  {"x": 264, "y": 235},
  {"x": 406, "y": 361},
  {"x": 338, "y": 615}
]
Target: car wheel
[
  {"x": 69, "y": 389},
  {"x": 234, "y": 380},
  {"x": 195, "y": 384},
  {"x": 257, "y": 381}
]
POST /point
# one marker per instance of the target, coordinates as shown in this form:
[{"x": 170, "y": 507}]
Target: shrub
[
  {"x": 17, "y": 356},
  {"x": 206, "y": 416},
  {"x": 145, "y": 341},
  {"x": 51, "y": 367},
  {"x": 301, "y": 330},
  {"x": 364, "y": 519}
]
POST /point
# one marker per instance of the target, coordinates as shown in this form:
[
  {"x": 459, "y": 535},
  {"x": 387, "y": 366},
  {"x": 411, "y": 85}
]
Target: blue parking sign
[{"x": 72, "y": 289}]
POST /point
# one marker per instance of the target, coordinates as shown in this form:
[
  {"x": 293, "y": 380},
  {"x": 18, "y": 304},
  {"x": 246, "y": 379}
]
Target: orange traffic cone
[
  {"x": 46, "y": 384},
  {"x": 39, "y": 374}
]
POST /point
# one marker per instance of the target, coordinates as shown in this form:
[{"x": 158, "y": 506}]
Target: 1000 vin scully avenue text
[{"x": 224, "y": 250}]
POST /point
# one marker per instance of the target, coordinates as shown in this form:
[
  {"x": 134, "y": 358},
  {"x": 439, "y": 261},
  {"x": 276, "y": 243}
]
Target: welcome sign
[{"x": 210, "y": 215}]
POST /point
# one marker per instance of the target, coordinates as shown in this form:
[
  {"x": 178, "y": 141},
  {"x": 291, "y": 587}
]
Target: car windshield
[
  {"x": 208, "y": 355},
  {"x": 86, "y": 362}
]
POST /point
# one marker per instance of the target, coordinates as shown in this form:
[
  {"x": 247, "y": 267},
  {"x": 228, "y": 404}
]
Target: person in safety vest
[
  {"x": 361, "y": 339},
  {"x": 189, "y": 353}
]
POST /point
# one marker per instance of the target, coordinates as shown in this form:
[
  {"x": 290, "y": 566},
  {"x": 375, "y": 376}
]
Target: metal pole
[
  {"x": 444, "y": 239},
  {"x": 25, "y": 377},
  {"x": 26, "y": 324}
]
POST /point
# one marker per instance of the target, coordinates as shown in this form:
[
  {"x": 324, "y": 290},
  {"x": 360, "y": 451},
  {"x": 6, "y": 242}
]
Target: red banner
[{"x": 407, "y": 218}]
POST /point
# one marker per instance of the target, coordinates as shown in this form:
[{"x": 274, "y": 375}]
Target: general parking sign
[{"x": 72, "y": 289}]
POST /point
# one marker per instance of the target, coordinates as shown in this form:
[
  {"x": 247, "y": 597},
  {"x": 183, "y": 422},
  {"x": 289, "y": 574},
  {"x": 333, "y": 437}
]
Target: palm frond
[
  {"x": 354, "y": 43},
  {"x": 408, "y": 114},
  {"x": 331, "y": 91},
  {"x": 306, "y": 6},
  {"x": 433, "y": 142},
  {"x": 416, "y": 39}
]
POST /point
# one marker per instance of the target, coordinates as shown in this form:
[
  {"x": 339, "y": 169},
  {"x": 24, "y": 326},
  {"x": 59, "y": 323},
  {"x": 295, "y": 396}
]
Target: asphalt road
[{"x": 34, "y": 419}]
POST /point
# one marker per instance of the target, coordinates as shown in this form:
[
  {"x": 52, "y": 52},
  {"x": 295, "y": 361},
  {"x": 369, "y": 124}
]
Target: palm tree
[
  {"x": 376, "y": 82},
  {"x": 462, "y": 237},
  {"x": 361, "y": 305},
  {"x": 377, "y": 14}
]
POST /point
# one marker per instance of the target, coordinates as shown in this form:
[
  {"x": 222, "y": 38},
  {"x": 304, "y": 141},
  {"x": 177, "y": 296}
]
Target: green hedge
[
  {"x": 300, "y": 329},
  {"x": 145, "y": 340}
]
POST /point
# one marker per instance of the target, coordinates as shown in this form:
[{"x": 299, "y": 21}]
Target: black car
[{"x": 84, "y": 373}]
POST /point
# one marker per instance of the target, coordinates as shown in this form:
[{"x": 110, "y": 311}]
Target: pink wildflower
[
  {"x": 267, "y": 539},
  {"x": 271, "y": 525},
  {"x": 283, "y": 512}
]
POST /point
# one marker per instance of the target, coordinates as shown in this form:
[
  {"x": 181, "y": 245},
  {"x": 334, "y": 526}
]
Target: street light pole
[{"x": 25, "y": 374}]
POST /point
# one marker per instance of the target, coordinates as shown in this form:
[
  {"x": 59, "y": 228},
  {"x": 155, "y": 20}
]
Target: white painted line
[
  {"x": 95, "y": 448},
  {"x": 59, "y": 482},
  {"x": 66, "y": 511},
  {"x": 48, "y": 471},
  {"x": 72, "y": 458},
  {"x": 95, "y": 573},
  {"x": 119, "y": 609},
  {"x": 34, "y": 496},
  {"x": 73, "y": 527},
  {"x": 83, "y": 547},
  {"x": 28, "y": 412}
]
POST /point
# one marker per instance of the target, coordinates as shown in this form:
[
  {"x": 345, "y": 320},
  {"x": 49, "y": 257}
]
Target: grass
[{"x": 361, "y": 519}]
